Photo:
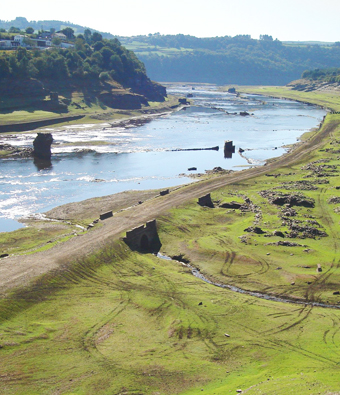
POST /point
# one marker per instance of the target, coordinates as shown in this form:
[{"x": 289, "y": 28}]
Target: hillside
[
  {"x": 219, "y": 60},
  {"x": 228, "y": 60},
  {"x": 107, "y": 319},
  {"x": 95, "y": 74}
]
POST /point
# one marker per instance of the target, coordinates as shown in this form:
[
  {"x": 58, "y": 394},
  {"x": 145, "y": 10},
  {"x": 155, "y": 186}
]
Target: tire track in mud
[
  {"x": 260, "y": 295},
  {"x": 229, "y": 261},
  {"x": 321, "y": 279},
  {"x": 282, "y": 344},
  {"x": 302, "y": 315}
]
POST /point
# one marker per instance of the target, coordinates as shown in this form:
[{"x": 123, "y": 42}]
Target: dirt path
[{"x": 18, "y": 271}]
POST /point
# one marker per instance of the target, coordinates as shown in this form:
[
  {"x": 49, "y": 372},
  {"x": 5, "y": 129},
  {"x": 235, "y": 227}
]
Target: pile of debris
[
  {"x": 301, "y": 231},
  {"x": 334, "y": 200},
  {"x": 299, "y": 185},
  {"x": 285, "y": 244},
  {"x": 280, "y": 199},
  {"x": 320, "y": 170}
]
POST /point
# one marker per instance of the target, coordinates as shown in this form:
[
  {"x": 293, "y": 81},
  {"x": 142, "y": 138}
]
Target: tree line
[
  {"x": 331, "y": 75},
  {"x": 91, "y": 58},
  {"x": 224, "y": 60}
]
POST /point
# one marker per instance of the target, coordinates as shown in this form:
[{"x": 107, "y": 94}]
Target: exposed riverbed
[{"x": 97, "y": 160}]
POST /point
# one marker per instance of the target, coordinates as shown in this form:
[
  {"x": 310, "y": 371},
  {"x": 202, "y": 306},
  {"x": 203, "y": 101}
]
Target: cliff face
[
  {"x": 122, "y": 100},
  {"x": 150, "y": 90}
]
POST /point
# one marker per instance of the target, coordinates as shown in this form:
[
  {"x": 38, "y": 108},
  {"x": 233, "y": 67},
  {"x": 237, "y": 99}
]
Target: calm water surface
[{"x": 141, "y": 157}]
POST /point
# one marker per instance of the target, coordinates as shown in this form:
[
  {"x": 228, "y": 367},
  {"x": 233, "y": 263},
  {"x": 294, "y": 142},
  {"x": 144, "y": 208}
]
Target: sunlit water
[{"x": 141, "y": 157}]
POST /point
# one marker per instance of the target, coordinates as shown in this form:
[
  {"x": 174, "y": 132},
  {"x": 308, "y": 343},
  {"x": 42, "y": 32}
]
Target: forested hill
[
  {"x": 94, "y": 65},
  {"x": 229, "y": 60}
]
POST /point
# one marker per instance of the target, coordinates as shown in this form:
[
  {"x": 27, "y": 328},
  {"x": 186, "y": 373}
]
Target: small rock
[
  {"x": 279, "y": 268},
  {"x": 268, "y": 253},
  {"x": 239, "y": 391},
  {"x": 292, "y": 283},
  {"x": 226, "y": 335},
  {"x": 336, "y": 293},
  {"x": 200, "y": 303}
]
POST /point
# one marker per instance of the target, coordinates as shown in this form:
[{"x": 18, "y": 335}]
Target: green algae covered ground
[{"x": 123, "y": 322}]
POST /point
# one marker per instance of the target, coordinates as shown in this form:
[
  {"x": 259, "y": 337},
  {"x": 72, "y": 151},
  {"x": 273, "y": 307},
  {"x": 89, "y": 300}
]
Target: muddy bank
[{"x": 25, "y": 126}]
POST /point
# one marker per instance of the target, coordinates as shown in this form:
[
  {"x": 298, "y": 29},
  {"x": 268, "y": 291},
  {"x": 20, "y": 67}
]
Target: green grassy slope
[{"x": 126, "y": 323}]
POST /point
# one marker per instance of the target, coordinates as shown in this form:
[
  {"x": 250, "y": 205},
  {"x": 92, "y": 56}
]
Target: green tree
[
  {"x": 56, "y": 41},
  {"x": 69, "y": 33},
  {"x": 4, "y": 68},
  {"x": 80, "y": 44},
  {"x": 265, "y": 37},
  {"x": 87, "y": 35},
  {"x": 29, "y": 30},
  {"x": 96, "y": 37},
  {"x": 14, "y": 30}
]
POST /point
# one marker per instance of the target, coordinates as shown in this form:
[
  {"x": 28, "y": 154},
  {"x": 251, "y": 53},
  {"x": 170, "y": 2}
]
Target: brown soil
[{"x": 20, "y": 270}]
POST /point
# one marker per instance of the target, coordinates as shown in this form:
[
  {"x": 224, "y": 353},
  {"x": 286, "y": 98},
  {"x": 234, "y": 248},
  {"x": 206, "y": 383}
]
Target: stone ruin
[
  {"x": 229, "y": 149},
  {"x": 205, "y": 201},
  {"x": 42, "y": 146},
  {"x": 106, "y": 215},
  {"x": 144, "y": 238}
]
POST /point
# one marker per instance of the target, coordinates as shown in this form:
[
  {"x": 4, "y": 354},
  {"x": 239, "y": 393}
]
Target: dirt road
[{"x": 18, "y": 271}]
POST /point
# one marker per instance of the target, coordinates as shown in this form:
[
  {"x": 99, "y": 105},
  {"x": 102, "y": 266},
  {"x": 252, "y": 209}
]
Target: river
[{"x": 147, "y": 155}]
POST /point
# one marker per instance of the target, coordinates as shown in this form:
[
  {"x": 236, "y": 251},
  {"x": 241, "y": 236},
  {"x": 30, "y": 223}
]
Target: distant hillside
[
  {"x": 229, "y": 60},
  {"x": 219, "y": 60},
  {"x": 22, "y": 23},
  {"x": 299, "y": 43}
]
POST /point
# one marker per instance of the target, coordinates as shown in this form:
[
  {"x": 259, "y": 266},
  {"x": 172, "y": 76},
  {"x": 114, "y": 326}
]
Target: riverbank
[
  {"x": 22, "y": 120},
  {"x": 126, "y": 322},
  {"x": 112, "y": 118},
  {"x": 14, "y": 274}
]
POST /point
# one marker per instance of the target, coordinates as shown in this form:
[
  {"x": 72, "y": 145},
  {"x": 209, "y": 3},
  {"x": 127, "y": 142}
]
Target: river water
[{"x": 147, "y": 155}]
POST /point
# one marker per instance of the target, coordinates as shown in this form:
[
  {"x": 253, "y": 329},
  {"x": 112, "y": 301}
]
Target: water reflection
[
  {"x": 42, "y": 164},
  {"x": 228, "y": 154}
]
